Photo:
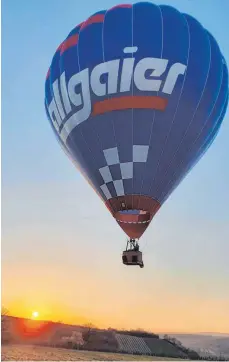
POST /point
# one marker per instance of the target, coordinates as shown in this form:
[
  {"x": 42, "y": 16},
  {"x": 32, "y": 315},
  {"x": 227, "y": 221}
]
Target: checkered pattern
[{"x": 140, "y": 154}]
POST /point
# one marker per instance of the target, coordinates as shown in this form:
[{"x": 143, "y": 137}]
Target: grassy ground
[{"x": 36, "y": 353}]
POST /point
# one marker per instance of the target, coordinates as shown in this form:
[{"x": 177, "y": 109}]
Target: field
[{"x": 36, "y": 353}]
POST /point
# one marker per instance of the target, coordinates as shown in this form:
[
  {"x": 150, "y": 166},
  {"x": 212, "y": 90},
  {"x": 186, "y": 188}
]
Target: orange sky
[
  {"x": 70, "y": 268},
  {"x": 57, "y": 294}
]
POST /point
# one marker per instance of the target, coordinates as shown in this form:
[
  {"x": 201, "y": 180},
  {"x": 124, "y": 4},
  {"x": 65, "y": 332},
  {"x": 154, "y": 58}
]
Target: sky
[{"x": 61, "y": 249}]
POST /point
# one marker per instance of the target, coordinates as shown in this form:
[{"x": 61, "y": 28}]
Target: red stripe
[
  {"x": 94, "y": 19},
  {"x": 79, "y": 25},
  {"x": 48, "y": 73},
  {"x": 68, "y": 43},
  {"x": 121, "y": 6},
  {"x": 59, "y": 47},
  {"x": 134, "y": 102}
]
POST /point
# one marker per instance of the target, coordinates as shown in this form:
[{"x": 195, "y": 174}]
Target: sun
[{"x": 35, "y": 315}]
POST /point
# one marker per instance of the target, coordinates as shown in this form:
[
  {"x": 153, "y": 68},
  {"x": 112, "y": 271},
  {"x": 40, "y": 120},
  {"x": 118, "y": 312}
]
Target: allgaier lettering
[{"x": 71, "y": 103}]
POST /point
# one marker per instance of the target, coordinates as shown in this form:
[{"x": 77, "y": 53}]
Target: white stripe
[{"x": 133, "y": 222}]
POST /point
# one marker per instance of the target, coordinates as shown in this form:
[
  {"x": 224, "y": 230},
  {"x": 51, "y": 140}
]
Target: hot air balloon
[{"x": 136, "y": 95}]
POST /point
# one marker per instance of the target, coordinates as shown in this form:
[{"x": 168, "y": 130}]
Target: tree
[{"x": 89, "y": 329}]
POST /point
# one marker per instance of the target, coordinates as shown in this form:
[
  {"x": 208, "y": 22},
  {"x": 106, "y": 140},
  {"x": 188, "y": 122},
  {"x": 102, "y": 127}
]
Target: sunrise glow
[{"x": 35, "y": 315}]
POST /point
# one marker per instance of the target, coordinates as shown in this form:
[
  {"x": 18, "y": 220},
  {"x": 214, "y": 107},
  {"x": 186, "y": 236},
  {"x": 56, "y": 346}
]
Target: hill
[
  {"x": 45, "y": 333},
  {"x": 206, "y": 345},
  {"x": 22, "y": 331}
]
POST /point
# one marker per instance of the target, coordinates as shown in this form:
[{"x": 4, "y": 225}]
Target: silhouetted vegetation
[
  {"x": 5, "y": 328},
  {"x": 89, "y": 330},
  {"x": 138, "y": 333}
]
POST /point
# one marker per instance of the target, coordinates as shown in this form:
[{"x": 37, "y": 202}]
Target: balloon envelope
[{"x": 135, "y": 95}]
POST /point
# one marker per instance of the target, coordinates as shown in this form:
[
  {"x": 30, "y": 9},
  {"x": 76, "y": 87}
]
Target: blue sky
[{"x": 50, "y": 233}]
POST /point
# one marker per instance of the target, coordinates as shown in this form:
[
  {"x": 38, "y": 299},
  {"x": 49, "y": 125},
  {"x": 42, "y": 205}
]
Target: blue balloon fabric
[{"x": 136, "y": 95}]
